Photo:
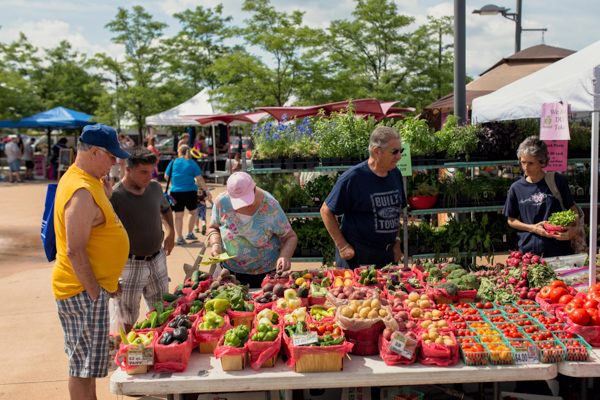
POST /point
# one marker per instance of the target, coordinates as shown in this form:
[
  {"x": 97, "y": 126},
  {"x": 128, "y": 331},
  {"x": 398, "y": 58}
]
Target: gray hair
[
  {"x": 533, "y": 146},
  {"x": 83, "y": 147},
  {"x": 381, "y": 137}
]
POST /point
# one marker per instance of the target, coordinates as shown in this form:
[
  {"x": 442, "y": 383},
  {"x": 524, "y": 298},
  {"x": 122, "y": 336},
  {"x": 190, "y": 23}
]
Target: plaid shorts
[
  {"x": 85, "y": 323},
  {"x": 150, "y": 278}
]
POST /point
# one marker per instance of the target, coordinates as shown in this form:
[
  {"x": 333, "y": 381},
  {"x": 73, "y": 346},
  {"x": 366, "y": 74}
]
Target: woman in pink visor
[{"x": 248, "y": 223}]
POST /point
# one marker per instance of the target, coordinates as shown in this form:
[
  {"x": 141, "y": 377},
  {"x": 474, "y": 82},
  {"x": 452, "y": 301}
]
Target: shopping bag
[
  {"x": 47, "y": 235},
  {"x": 116, "y": 322}
]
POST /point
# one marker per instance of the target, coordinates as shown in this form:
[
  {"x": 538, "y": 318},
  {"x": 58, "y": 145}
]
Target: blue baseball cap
[{"x": 103, "y": 136}]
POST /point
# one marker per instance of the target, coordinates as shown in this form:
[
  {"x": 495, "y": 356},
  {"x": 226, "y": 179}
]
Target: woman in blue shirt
[
  {"x": 184, "y": 173},
  {"x": 530, "y": 203},
  {"x": 248, "y": 223}
]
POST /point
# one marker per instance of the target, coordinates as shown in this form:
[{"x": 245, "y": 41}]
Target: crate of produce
[
  {"x": 461, "y": 333},
  {"x": 577, "y": 349},
  {"x": 474, "y": 354},
  {"x": 551, "y": 351},
  {"x": 500, "y": 353},
  {"x": 522, "y": 354},
  {"x": 487, "y": 339},
  {"x": 406, "y": 393}
]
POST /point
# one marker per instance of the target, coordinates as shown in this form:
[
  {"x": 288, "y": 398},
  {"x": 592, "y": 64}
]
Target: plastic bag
[
  {"x": 210, "y": 335},
  {"x": 356, "y": 324},
  {"x": 116, "y": 322},
  {"x": 223, "y": 350},
  {"x": 120, "y": 358},
  {"x": 590, "y": 334},
  {"x": 172, "y": 357},
  {"x": 294, "y": 353},
  {"x": 262, "y": 351},
  {"x": 439, "y": 354},
  {"x": 392, "y": 358}
]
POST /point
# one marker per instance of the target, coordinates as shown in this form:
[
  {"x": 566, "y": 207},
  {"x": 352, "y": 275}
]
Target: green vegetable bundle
[{"x": 562, "y": 218}]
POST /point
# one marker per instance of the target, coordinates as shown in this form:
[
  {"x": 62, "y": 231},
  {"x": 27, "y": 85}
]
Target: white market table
[
  {"x": 583, "y": 369},
  {"x": 205, "y": 375}
]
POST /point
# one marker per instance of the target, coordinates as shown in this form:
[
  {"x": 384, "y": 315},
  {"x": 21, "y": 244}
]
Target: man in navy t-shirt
[{"x": 370, "y": 198}]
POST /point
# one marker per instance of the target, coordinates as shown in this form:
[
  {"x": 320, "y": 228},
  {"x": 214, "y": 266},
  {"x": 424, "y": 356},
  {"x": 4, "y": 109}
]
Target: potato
[
  {"x": 355, "y": 303},
  {"x": 427, "y": 314},
  {"x": 446, "y": 337},
  {"x": 403, "y": 315},
  {"x": 436, "y": 314},
  {"x": 415, "y": 313},
  {"x": 412, "y": 304},
  {"x": 439, "y": 340},
  {"x": 425, "y": 324},
  {"x": 375, "y": 304},
  {"x": 397, "y": 303},
  {"x": 341, "y": 296},
  {"x": 353, "y": 308},
  {"x": 429, "y": 341},
  {"x": 347, "y": 312},
  {"x": 414, "y": 296},
  {"x": 424, "y": 304},
  {"x": 367, "y": 303},
  {"x": 410, "y": 325},
  {"x": 373, "y": 314},
  {"x": 425, "y": 336},
  {"x": 382, "y": 313},
  {"x": 433, "y": 335},
  {"x": 448, "y": 342},
  {"x": 442, "y": 324},
  {"x": 424, "y": 297},
  {"x": 364, "y": 312},
  {"x": 387, "y": 334},
  {"x": 355, "y": 315}
]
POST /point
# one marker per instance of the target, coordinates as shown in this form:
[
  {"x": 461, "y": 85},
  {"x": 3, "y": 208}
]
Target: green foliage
[
  {"x": 454, "y": 138},
  {"x": 320, "y": 187},
  {"x": 281, "y": 186},
  {"x": 416, "y": 132},
  {"x": 293, "y": 139}
]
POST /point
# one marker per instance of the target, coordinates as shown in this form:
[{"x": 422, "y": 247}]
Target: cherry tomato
[
  {"x": 488, "y": 305},
  {"x": 580, "y": 317},
  {"x": 479, "y": 305}
]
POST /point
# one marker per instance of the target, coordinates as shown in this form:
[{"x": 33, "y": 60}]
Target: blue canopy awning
[{"x": 59, "y": 117}]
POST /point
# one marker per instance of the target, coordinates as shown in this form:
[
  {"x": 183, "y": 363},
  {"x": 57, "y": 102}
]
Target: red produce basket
[{"x": 422, "y": 202}]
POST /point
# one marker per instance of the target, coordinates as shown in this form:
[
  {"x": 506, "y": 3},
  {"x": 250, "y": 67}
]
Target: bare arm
[
  {"x": 538, "y": 228},
  {"x": 346, "y": 251},
  {"x": 214, "y": 239},
  {"x": 167, "y": 220},
  {"x": 288, "y": 245},
  {"x": 81, "y": 214}
]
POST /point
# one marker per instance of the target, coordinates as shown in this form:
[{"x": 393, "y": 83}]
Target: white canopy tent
[
  {"x": 199, "y": 104},
  {"x": 575, "y": 80}
]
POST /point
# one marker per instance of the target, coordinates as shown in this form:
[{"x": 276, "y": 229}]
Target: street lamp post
[{"x": 492, "y": 9}]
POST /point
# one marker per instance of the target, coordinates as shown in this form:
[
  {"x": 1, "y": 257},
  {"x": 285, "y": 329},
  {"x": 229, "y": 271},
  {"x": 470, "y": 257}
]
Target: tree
[
  {"x": 64, "y": 81},
  {"x": 273, "y": 83},
  {"x": 196, "y": 47},
  {"x": 142, "y": 73},
  {"x": 18, "y": 95}
]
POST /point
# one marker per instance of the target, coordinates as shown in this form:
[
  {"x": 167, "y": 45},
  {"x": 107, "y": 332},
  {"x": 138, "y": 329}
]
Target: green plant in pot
[
  {"x": 455, "y": 138},
  {"x": 418, "y": 134}
]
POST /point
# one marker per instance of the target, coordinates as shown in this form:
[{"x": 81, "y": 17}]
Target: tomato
[
  {"x": 479, "y": 305},
  {"x": 578, "y": 302},
  {"x": 580, "y": 317},
  {"x": 591, "y": 303},
  {"x": 594, "y": 317},
  {"x": 337, "y": 331},
  {"x": 558, "y": 283},
  {"x": 572, "y": 306},
  {"x": 557, "y": 293},
  {"x": 545, "y": 292},
  {"x": 312, "y": 327},
  {"x": 566, "y": 299},
  {"x": 488, "y": 305},
  {"x": 321, "y": 330},
  {"x": 595, "y": 288}
]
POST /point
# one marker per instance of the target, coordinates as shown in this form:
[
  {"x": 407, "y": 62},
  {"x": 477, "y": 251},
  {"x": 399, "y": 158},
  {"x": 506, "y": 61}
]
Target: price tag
[
  {"x": 140, "y": 356},
  {"x": 301, "y": 339},
  {"x": 526, "y": 355},
  {"x": 403, "y": 345}
]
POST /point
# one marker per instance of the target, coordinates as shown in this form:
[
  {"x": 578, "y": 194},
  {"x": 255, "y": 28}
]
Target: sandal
[{"x": 180, "y": 242}]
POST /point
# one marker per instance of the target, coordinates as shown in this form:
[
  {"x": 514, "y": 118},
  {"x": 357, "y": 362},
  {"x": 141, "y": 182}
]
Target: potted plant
[
  {"x": 423, "y": 196},
  {"x": 417, "y": 133}
]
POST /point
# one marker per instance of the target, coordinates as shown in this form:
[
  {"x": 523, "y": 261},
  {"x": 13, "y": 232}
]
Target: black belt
[
  {"x": 375, "y": 245},
  {"x": 144, "y": 258}
]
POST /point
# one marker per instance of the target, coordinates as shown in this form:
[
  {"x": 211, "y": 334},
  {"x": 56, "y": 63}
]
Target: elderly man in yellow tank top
[{"x": 91, "y": 250}]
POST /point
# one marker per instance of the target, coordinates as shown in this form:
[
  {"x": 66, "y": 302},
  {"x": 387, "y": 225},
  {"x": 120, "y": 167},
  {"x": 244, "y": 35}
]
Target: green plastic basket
[
  {"x": 500, "y": 357},
  {"x": 474, "y": 358},
  {"x": 579, "y": 353},
  {"x": 551, "y": 356}
]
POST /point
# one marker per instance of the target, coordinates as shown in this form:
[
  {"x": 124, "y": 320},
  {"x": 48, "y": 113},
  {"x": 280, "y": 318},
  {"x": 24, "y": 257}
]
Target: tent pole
[
  {"x": 229, "y": 148},
  {"x": 594, "y": 197},
  {"x": 49, "y": 136},
  {"x": 214, "y": 145}
]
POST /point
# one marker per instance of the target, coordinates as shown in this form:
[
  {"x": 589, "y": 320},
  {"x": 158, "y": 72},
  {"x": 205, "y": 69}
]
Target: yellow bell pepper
[{"x": 300, "y": 281}]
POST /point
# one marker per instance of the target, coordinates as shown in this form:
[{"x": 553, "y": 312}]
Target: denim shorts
[{"x": 14, "y": 165}]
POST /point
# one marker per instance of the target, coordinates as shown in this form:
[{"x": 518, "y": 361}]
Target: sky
[{"x": 489, "y": 38}]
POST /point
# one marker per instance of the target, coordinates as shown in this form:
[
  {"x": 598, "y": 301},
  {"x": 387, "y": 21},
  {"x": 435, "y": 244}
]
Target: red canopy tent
[
  {"x": 365, "y": 107},
  {"x": 250, "y": 117}
]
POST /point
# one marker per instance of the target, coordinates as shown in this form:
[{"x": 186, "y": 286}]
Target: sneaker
[
  {"x": 180, "y": 242},
  {"x": 190, "y": 236},
  {"x": 196, "y": 230},
  {"x": 204, "y": 229}
]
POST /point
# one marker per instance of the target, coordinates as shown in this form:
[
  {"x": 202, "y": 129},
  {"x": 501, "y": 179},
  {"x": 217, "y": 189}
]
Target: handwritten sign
[
  {"x": 304, "y": 338},
  {"x": 554, "y": 123},
  {"x": 526, "y": 355},
  {"x": 557, "y": 153},
  {"x": 405, "y": 165},
  {"x": 140, "y": 356}
]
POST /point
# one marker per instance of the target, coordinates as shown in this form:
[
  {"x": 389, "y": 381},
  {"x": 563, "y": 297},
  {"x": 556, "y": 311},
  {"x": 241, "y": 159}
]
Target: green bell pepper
[
  {"x": 217, "y": 305},
  {"x": 162, "y": 318},
  {"x": 236, "y": 337}
]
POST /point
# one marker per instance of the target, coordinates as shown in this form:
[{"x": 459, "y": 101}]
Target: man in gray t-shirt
[
  {"x": 13, "y": 157},
  {"x": 140, "y": 204}
]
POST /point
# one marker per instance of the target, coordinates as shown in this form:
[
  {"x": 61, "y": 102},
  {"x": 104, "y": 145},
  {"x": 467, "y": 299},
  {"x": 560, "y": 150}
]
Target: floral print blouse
[{"x": 255, "y": 243}]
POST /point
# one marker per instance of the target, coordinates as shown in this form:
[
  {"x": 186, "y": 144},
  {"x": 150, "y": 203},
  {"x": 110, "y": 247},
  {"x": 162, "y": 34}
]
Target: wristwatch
[{"x": 398, "y": 238}]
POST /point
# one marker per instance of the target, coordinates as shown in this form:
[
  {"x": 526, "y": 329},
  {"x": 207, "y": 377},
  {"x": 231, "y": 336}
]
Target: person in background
[
  {"x": 60, "y": 145},
  {"x": 530, "y": 203},
  {"x": 13, "y": 157},
  {"x": 184, "y": 173},
  {"x": 248, "y": 223},
  {"x": 200, "y": 144},
  {"x": 91, "y": 250},
  {"x": 237, "y": 162},
  {"x": 28, "y": 158},
  {"x": 143, "y": 209},
  {"x": 201, "y": 212},
  {"x": 152, "y": 148},
  {"x": 126, "y": 144},
  {"x": 20, "y": 143},
  {"x": 184, "y": 141},
  {"x": 370, "y": 197}
]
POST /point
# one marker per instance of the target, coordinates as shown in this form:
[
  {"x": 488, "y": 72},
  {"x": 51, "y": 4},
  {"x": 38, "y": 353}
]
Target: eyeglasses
[
  {"x": 528, "y": 163},
  {"x": 112, "y": 158},
  {"x": 395, "y": 151}
]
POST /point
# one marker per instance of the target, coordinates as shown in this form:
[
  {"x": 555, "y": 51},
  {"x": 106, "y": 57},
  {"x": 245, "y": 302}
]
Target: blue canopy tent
[{"x": 56, "y": 118}]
